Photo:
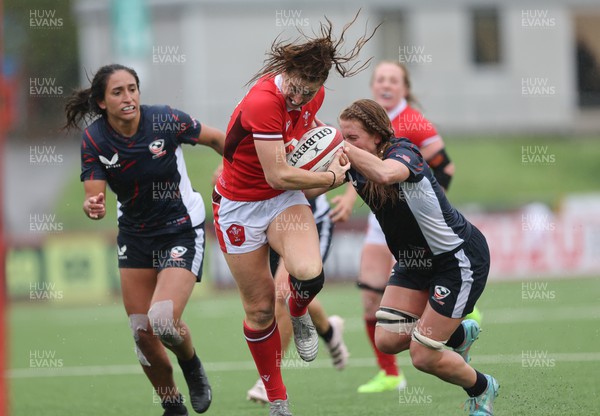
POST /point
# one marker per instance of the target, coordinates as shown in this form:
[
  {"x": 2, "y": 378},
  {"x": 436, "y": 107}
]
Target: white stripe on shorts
[
  {"x": 199, "y": 245},
  {"x": 466, "y": 275},
  {"x": 325, "y": 236}
]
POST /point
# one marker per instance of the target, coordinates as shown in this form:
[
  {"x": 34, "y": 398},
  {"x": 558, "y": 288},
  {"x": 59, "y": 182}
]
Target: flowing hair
[
  {"x": 82, "y": 104},
  {"x": 374, "y": 120},
  {"x": 313, "y": 59}
]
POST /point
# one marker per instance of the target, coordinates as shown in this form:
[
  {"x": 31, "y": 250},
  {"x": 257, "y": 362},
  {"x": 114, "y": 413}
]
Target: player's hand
[
  {"x": 338, "y": 168},
  {"x": 342, "y": 208},
  {"x": 95, "y": 206},
  {"x": 344, "y": 158}
]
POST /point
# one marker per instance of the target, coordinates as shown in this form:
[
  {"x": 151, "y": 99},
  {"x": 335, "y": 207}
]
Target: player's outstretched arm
[
  {"x": 384, "y": 172},
  {"x": 212, "y": 137},
  {"x": 94, "y": 204}
]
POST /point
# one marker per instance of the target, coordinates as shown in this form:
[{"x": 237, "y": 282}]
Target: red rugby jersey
[
  {"x": 411, "y": 124},
  {"x": 261, "y": 115}
]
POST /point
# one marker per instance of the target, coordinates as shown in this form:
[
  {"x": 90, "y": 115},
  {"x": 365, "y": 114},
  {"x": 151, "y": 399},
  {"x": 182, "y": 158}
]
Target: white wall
[
  {"x": 224, "y": 45},
  {"x": 459, "y": 95}
]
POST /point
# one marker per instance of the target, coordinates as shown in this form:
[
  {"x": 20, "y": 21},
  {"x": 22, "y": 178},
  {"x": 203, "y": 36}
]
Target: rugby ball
[{"x": 316, "y": 149}]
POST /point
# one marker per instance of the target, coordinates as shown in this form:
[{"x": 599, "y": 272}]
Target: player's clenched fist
[{"x": 95, "y": 206}]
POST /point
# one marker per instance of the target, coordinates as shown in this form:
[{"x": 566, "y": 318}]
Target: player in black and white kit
[
  {"x": 136, "y": 150},
  {"x": 442, "y": 260}
]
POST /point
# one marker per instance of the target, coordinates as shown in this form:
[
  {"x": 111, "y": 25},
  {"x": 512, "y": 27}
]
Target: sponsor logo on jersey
[
  {"x": 237, "y": 234},
  {"x": 177, "y": 252},
  {"x": 288, "y": 124},
  {"x": 157, "y": 148},
  {"x": 112, "y": 163}
]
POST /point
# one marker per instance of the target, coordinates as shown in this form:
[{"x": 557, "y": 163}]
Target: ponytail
[{"x": 79, "y": 107}]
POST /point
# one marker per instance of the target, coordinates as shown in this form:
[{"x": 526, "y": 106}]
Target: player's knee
[
  {"x": 422, "y": 358},
  {"x": 394, "y": 329},
  {"x": 389, "y": 343},
  {"x": 306, "y": 270},
  {"x": 260, "y": 315},
  {"x": 425, "y": 352},
  {"x": 392, "y": 333},
  {"x": 139, "y": 325},
  {"x": 395, "y": 321},
  {"x": 163, "y": 323}
]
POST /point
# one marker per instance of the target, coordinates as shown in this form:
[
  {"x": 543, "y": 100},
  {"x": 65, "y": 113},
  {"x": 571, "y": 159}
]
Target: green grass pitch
[{"x": 541, "y": 341}]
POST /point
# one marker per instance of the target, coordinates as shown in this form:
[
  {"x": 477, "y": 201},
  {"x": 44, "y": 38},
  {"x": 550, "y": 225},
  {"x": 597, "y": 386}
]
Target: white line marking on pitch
[{"x": 226, "y": 366}]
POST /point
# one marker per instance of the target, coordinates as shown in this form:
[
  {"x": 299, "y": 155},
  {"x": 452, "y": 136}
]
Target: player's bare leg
[
  {"x": 445, "y": 364},
  {"x": 257, "y": 292},
  {"x": 375, "y": 266},
  {"x": 396, "y": 339},
  {"x": 282, "y": 290},
  {"x": 428, "y": 355},
  {"x": 137, "y": 287},
  {"x": 330, "y": 328},
  {"x": 298, "y": 245},
  {"x": 173, "y": 289},
  {"x": 258, "y": 393}
]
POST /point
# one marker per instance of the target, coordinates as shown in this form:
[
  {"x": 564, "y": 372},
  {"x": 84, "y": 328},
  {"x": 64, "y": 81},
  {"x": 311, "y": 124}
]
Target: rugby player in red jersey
[{"x": 258, "y": 200}]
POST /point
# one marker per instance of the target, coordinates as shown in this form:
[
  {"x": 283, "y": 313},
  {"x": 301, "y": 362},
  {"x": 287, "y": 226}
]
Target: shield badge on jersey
[{"x": 157, "y": 148}]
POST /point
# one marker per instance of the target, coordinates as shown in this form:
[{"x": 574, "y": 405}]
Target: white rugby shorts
[{"x": 241, "y": 226}]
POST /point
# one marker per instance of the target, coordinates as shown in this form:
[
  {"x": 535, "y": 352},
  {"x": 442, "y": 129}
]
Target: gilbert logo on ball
[{"x": 316, "y": 149}]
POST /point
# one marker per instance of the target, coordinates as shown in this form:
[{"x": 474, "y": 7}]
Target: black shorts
[
  {"x": 455, "y": 280},
  {"x": 325, "y": 231},
  {"x": 183, "y": 250}
]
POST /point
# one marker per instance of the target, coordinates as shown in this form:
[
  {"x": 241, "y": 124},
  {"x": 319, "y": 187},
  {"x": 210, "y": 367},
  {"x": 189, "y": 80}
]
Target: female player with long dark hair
[
  {"x": 258, "y": 202},
  {"x": 391, "y": 88},
  {"x": 136, "y": 150},
  {"x": 442, "y": 260}
]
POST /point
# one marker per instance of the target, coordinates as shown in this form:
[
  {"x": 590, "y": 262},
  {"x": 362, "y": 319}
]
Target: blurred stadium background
[{"x": 512, "y": 86}]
